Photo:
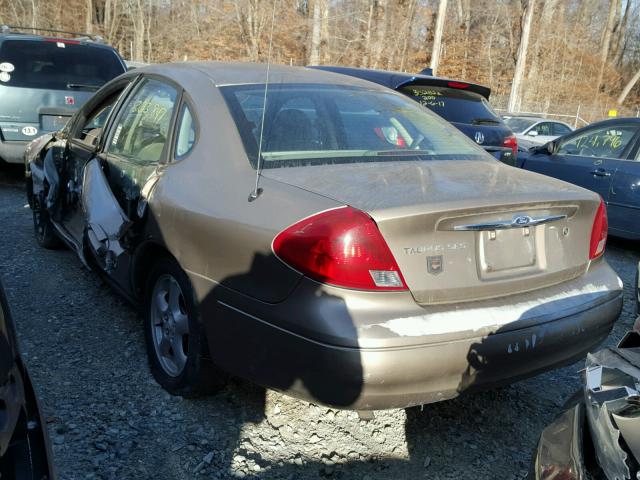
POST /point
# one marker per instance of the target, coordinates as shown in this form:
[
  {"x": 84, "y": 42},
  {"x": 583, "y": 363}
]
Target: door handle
[{"x": 601, "y": 172}]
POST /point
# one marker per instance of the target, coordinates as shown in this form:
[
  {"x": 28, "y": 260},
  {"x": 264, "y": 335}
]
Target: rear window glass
[
  {"x": 55, "y": 65},
  {"x": 460, "y": 106},
  {"x": 308, "y": 124}
]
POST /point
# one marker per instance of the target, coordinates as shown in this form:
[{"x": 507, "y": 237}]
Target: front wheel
[{"x": 176, "y": 343}]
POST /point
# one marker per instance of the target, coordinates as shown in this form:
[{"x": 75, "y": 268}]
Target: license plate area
[{"x": 503, "y": 252}]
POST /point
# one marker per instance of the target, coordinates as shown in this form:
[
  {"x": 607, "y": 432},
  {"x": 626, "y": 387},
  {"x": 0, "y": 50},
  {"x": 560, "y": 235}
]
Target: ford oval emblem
[
  {"x": 479, "y": 137},
  {"x": 521, "y": 220}
]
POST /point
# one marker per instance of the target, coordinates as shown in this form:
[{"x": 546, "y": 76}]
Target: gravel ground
[{"x": 109, "y": 420}]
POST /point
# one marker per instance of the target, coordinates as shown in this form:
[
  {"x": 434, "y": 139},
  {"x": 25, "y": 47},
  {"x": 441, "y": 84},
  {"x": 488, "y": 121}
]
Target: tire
[
  {"x": 176, "y": 344},
  {"x": 44, "y": 230}
]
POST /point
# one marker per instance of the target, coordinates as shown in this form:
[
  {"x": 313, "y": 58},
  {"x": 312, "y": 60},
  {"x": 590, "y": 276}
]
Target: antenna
[{"x": 257, "y": 190}]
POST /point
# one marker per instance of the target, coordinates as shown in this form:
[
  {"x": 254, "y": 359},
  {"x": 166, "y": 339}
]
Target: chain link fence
[{"x": 574, "y": 113}]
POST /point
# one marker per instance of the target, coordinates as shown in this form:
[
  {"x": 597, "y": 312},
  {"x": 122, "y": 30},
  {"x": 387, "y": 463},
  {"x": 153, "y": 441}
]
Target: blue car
[{"x": 603, "y": 157}]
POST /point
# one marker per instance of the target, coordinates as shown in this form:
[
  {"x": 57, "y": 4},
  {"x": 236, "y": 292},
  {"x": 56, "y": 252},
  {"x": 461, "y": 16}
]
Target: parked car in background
[
  {"x": 603, "y": 157},
  {"x": 43, "y": 80},
  {"x": 25, "y": 451},
  {"x": 354, "y": 249},
  {"x": 532, "y": 131},
  {"x": 465, "y": 105}
]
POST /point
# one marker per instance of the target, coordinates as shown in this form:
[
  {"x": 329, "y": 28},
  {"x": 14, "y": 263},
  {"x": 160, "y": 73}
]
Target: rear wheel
[
  {"x": 43, "y": 228},
  {"x": 176, "y": 343}
]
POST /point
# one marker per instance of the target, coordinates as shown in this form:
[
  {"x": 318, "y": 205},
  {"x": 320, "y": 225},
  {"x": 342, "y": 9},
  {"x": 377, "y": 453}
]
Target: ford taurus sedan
[{"x": 320, "y": 235}]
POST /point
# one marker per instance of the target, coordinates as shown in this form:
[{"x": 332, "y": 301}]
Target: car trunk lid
[{"x": 464, "y": 230}]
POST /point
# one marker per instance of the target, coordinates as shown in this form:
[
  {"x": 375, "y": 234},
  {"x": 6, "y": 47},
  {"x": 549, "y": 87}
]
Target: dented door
[{"x": 106, "y": 222}]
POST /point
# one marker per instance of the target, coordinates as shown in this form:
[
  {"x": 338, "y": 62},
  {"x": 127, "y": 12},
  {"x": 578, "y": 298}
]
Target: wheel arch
[{"x": 145, "y": 255}]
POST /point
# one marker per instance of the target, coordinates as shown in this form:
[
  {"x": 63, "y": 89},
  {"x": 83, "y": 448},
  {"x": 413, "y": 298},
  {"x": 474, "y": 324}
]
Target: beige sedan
[{"x": 325, "y": 237}]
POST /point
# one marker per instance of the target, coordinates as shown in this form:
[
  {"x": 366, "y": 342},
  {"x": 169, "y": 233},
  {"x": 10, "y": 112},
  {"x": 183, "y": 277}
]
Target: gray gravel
[{"x": 109, "y": 420}]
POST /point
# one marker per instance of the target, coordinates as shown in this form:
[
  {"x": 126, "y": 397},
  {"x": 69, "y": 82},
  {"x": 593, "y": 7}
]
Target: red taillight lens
[
  {"x": 63, "y": 40},
  {"x": 341, "y": 247},
  {"x": 599, "y": 232},
  {"x": 458, "y": 85},
  {"x": 512, "y": 143}
]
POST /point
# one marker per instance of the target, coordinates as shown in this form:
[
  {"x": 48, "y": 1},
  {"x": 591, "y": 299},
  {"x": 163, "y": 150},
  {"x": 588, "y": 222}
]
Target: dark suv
[
  {"x": 463, "y": 104},
  {"x": 43, "y": 80}
]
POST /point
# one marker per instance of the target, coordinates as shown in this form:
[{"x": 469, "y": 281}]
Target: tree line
[{"x": 555, "y": 56}]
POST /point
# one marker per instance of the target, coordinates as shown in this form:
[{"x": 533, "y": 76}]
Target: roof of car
[
  {"x": 613, "y": 121},
  {"x": 398, "y": 80},
  {"x": 29, "y": 37},
  {"x": 239, "y": 73}
]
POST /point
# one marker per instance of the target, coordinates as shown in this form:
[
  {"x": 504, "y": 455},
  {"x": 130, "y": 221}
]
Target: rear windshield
[
  {"x": 459, "y": 106},
  {"x": 55, "y": 65},
  {"x": 519, "y": 125},
  {"x": 308, "y": 124}
]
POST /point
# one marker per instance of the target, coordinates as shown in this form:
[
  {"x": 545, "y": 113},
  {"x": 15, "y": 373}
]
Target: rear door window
[
  {"x": 458, "y": 106},
  {"x": 560, "y": 129},
  {"x": 57, "y": 65},
  {"x": 544, "y": 128}
]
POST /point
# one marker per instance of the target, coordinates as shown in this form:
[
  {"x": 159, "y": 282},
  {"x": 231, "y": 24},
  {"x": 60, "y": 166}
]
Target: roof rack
[{"x": 4, "y": 29}]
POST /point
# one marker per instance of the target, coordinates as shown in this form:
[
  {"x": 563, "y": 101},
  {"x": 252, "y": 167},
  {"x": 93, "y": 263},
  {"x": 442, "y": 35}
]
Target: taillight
[
  {"x": 458, "y": 85},
  {"x": 599, "y": 232},
  {"x": 341, "y": 247},
  {"x": 62, "y": 40},
  {"x": 512, "y": 143}
]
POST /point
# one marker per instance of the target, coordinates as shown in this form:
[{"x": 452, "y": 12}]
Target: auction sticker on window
[
  {"x": 7, "y": 67},
  {"x": 4, "y": 77}
]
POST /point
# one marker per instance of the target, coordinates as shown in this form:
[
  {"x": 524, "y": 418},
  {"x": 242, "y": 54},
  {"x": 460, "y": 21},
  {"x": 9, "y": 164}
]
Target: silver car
[{"x": 532, "y": 131}]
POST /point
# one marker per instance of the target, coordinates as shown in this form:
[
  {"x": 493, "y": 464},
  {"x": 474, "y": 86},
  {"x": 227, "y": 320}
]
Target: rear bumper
[
  {"x": 372, "y": 379},
  {"x": 12, "y": 152}
]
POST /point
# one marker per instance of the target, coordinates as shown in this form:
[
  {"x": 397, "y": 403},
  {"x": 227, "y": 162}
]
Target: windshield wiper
[
  {"x": 479, "y": 121},
  {"x": 83, "y": 85}
]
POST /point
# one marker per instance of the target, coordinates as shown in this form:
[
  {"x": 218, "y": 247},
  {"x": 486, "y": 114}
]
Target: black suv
[
  {"x": 43, "y": 80},
  {"x": 463, "y": 104}
]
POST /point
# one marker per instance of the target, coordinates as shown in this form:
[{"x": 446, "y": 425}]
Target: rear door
[
  {"x": 624, "y": 200},
  {"x": 116, "y": 185},
  {"x": 586, "y": 157}
]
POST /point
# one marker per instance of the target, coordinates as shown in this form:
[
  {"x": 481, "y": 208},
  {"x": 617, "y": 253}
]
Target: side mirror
[
  {"x": 532, "y": 133},
  {"x": 552, "y": 148}
]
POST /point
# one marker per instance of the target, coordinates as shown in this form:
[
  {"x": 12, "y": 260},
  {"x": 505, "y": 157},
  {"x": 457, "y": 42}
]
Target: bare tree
[
  {"x": 628, "y": 87},
  {"x": 314, "y": 51},
  {"x": 437, "y": 39},
  {"x": 514, "y": 97},
  {"x": 606, "y": 40}
]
